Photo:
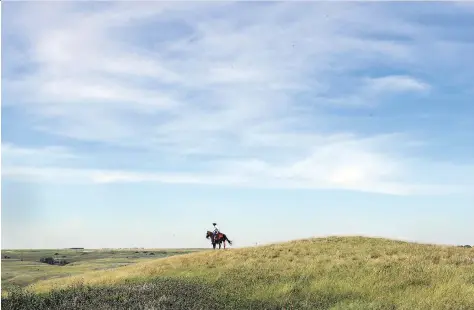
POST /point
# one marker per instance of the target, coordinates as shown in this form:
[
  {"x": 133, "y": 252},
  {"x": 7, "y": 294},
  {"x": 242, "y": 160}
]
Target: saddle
[{"x": 218, "y": 236}]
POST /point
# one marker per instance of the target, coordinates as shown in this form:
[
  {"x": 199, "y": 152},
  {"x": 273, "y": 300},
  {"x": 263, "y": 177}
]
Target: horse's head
[{"x": 208, "y": 234}]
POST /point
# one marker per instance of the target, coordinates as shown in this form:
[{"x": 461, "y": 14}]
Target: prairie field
[
  {"x": 319, "y": 273},
  {"x": 21, "y": 268}
]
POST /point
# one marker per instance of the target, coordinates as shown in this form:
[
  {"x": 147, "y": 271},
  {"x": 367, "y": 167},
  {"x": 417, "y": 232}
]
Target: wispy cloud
[
  {"x": 244, "y": 91},
  {"x": 396, "y": 84},
  {"x": 343, "y": 164},
  {"x": 40, "y": 156},
  {"x": 212, "y": 68}
]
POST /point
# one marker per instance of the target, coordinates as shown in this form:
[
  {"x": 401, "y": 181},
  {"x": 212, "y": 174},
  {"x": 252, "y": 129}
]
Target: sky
[{"x": 139, "y": 124}]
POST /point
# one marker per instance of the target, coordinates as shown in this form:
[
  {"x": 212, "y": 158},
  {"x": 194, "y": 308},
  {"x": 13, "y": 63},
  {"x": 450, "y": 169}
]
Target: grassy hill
[{"x": 323, "y": 273}]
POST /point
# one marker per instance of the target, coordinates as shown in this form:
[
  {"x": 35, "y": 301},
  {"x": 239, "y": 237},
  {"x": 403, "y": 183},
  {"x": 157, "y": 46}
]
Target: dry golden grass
[{"x": 343, "y": 272}]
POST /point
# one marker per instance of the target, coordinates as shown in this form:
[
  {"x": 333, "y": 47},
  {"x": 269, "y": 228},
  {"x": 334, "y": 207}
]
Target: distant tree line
[{"x": 54, "y": 261}]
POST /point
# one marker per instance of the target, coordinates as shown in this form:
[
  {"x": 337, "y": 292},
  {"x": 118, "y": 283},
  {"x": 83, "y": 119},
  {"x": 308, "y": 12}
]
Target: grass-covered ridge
[{"x": 323, "y": 273}]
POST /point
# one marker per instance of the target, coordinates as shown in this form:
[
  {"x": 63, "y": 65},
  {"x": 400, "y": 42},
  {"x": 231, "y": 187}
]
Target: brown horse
[{"x": 220, "y": 237}]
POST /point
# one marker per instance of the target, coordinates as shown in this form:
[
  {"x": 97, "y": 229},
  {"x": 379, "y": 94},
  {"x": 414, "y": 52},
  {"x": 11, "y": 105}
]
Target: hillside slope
[{"x": 321, "y": 273}]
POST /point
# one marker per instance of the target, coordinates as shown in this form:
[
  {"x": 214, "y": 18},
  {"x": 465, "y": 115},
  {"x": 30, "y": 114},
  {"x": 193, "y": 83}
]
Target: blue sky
[{"x": 139, "y": 123}]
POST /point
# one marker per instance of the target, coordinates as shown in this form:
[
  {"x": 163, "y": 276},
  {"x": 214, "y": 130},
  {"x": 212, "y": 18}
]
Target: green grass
[
  {"x": 326, "y": 273},
  {"x": 23, "y": 267}
]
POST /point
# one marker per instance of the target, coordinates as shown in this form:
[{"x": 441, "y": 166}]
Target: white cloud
[
  {"x": 11, "y": 150},
  {"x": 40, "y": 156},
  {"x": 396, "y": 84},
  {"x": 242, "y": 73},
  {"x": 205, "y": 82},
  {"x": 342, "y": 164}
]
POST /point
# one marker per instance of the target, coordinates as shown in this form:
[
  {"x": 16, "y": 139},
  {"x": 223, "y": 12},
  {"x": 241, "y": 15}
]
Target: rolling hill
[{"x": 319, "y": 273}]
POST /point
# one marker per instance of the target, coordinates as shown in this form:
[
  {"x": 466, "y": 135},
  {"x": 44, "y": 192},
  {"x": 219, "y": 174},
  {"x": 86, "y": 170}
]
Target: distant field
[
  {"x": 323, "y": 273},
  {"x": 23, "y": 267}
]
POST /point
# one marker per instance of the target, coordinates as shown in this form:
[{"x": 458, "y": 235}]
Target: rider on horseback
[
  {"x": 216, "y": 230},
  {"x": 217, "y": 237}
]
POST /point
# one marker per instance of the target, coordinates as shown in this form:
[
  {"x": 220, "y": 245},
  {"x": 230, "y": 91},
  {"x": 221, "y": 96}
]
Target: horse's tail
[{"x": 225, "y": 238}]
